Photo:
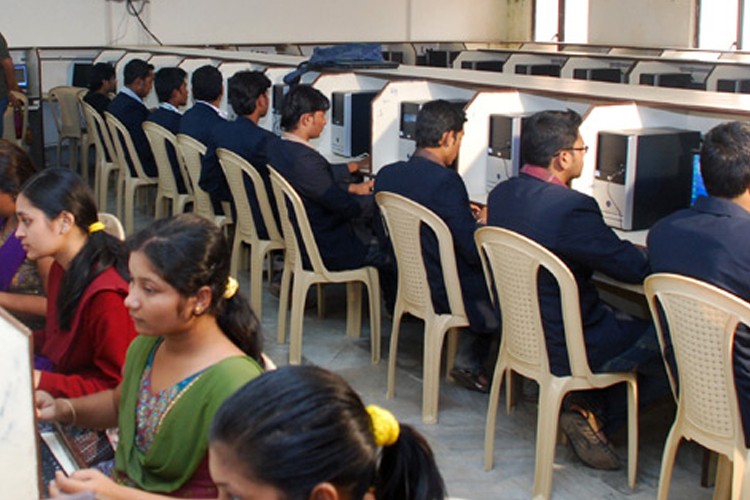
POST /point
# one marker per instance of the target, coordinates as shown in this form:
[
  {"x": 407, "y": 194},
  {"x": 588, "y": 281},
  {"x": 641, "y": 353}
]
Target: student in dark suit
[
  {"x": 198, "y": 122},
  {"x": 336, "y": 213},
  {"x": 248, "y": 96},
  {"x": 102, "y": 83},
  {"x": 128, "y": 107},
  {"x": 171, "y": 88},
  {"x": 427, "y": 180},
  {"x": 711, "y": 240},
  {"x": 540, "y": 205}
]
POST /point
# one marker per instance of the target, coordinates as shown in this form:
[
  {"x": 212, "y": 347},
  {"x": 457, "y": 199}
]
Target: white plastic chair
[
  {"x": 403, "y": 219},
  {"x": 112, "y": 225},
  {"x": 235, "y": 169},
  {"x": 102, "y": 140},
  {"x": 290, "y": 205},
  {"x": 167, "y": 191},
  {"x": 512, "y": 262},
  {"x": 702, "y": 320},
  {"x": 67, "y": 116}
]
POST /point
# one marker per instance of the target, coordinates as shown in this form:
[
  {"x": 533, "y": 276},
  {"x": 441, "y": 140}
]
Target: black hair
[
  {"x": 167, "y": 80},
  {"x": 190, "y": 252},
  {"x": 725, "y": 160},
  {"x": 207, "y": 83},
  {"x": 298, "y": 426},
  {"x": 244, "y": 88},
  {"x": 57, "y": 190},
  {"x": 136, "y": 68},
  {"x": 16, "y": 168},
  {"x": 100, "y": 73},
  {"x": 436, "y": 118},
  {"x": 547, "y": 133},
  {"x": 299, "y": 100}
]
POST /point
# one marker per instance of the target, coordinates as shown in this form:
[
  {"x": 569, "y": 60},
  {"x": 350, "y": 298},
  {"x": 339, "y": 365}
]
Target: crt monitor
[
  {"x": 81, "y": 74},
  {"x": 698, "y": 188},
  {"x": 22, "y": 75}
]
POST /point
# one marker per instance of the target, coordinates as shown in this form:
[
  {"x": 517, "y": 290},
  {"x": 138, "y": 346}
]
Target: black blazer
[{"x": 132, "y": 114}]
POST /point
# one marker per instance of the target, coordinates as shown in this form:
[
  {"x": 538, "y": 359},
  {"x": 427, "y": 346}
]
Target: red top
[{"x": 88, "y": 358}]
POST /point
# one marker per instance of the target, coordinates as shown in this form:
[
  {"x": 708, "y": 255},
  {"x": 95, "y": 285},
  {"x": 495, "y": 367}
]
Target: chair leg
[
  {"x": 738, "y": 476},
  {"x": 632, "y": 432},
  {"x": 550, "y": 400},
  {"x": 321, "y": 301},
  {"x": 434, "y": 334},
  {"x": 724, "y": 486},
  {"x": 373, "y": 296},
  {"x": 393, "y": 350},
  {"x": 129, "y": 199},
  {"x": 299, "y": 293},
  {"x": 234, "y": 265},
  {"x": 286, "y": 279},
  {"x": 451, "y": 350},
  {"x": 354, "y": 309},
  {"x": 667, "y": 461},
  {"x": 256, "y": 279},
  {"x": 489, "y": 428}
]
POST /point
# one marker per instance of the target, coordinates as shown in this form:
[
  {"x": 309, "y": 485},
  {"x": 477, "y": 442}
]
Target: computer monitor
[
  {"x": 81, "y": 74},
  {"x": 698, "y": 188},
  {"x": 22, "y": 75}
]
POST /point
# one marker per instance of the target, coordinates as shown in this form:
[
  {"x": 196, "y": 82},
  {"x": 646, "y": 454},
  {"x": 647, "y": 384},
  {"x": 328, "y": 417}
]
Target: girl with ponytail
[
  {"x": 198, "y": 342},
  {"x": 81, "y": 349}
]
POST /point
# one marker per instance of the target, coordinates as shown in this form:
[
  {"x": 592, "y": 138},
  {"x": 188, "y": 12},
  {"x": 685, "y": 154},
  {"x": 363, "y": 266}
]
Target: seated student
[
  {"x": 198, "y": 122},
  {"x": 198, "y": 342},
  {"x": 540, "y": 205},
  {"x": 102, "y": 83},
  {"x": 23, "y": 283},
  {"x": 711, "y": 240},
  {"x": 336, "y": 213},
  {"x": 248, "y": 96},
  {"x": 128, "y": 107},
  {"x": 426, "y": 180},
  {"x": 171, "y": 88},
  {"x": 82, "y": 347}
]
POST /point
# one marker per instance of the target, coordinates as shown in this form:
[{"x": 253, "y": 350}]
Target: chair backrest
[
  {"x": 124, "y": 146},
  {"x": 512, "y": 263},
  {"x": 9, "y": 124},
  {"x": 192, "y": 151},
  {"x": 158, "y": 137},
  {"x": 404, "y": 220},
  {"x": 234, "y": 167},
  {"x": 298, "y": 235},
  {"x": 100, "y": 133},
  {"x": 112, "y": 225},
  {"x": 66, "y": 111},
  {"x": 701, "y": 320}
]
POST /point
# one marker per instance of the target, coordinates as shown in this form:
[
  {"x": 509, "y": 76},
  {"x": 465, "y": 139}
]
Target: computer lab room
[{"x": 405, "y": 249}]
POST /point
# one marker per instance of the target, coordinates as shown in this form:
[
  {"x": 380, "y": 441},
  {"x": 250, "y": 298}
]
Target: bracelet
[{"x": 72, "y": 410}]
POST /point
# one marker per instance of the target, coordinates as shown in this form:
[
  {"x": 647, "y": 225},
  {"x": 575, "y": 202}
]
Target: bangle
[{"x": 72, "y": 410}]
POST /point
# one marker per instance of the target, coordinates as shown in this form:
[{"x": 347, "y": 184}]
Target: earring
[{"x": 198, "y": 311}]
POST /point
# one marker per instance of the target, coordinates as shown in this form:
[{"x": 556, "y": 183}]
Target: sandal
[
  {"x": 589, "y": 443},
  {"x": 478, "y": 382}
]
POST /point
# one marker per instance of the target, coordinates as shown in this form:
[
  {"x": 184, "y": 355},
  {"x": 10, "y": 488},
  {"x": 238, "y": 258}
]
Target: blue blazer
[
  {"x": 330, "y": 208},
  {"x": 132, "y": 114},
  {"x": 198, "y": 122},
  {"x": 170, "y": 120},
  {"x": 711, "y": 242},
  {"x": 570, "y": 224},
  {"x": 443, "y": 191},
  {"x": 250, "y": 141}
]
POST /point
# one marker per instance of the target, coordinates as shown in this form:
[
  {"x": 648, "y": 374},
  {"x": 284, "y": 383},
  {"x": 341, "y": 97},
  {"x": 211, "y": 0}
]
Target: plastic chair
[
  {"x": 512, "y": 262},
  {"x": 192, "y": 151},
  {"x": 235, "y": 169},
  {"x": 290, "y": 205},
  {"x": 702, "y": 320},
  {"x": 158, "y": 137},
  {"x": 10, "y": 132},
  {"x": 103, "y": 146},
  {"x": 404, "y": 219},
  {"x": 67, "y": 116},
  {"x": 112, "y": 225},
  {"x": 120, "y": 135}
]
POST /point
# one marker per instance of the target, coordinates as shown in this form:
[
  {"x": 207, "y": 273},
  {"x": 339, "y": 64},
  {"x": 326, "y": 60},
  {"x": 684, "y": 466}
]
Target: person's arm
[
  {"x": 93, "y": 480},
  {"x": 95, "y": 411},
  {"x": 314, "y": 181},
  {"x": 10, "y": 78},
  {"x": 453, "y": 207}
]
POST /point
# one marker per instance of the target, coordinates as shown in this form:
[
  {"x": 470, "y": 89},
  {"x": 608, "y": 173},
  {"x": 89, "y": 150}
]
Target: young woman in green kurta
[{"x": 198, "y": 342}]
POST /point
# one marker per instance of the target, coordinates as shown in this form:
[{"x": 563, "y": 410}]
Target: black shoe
[
  {"x": 478, "y": 382},
  {"x": 588, "y": 443}
]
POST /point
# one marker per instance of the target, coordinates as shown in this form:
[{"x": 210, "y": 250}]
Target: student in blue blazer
[{"x": 171, "y": 89}]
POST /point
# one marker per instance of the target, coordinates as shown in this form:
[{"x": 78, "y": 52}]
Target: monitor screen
[
  {"x": 22, "y": 75},
  {"x": 408, "y": 125},
  {"x": 699, "y": 189},
  {"x": 81, "y": 74}
]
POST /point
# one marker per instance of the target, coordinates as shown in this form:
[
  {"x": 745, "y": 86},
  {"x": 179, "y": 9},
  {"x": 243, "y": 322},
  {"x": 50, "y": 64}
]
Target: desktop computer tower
[
  {"x": 351, "y": 117},
  {"x": 612, "y": 75},
  {"x": 504, "y": 148},
  {"x": 669, "y": 80},
  {"x": 643, "y": 175},
  {"x": 278, "y": 91},
  {"x": 538, "y": 69},
  {"x": 733, "y": 86}
]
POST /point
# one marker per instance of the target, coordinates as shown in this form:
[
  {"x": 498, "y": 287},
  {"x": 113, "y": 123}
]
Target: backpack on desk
[{"x": 329, "y": 57}]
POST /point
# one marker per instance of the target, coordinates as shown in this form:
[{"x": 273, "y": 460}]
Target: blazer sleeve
[
  {"x": 315, "y": 180},
  {"x": 452, "y": 205}
]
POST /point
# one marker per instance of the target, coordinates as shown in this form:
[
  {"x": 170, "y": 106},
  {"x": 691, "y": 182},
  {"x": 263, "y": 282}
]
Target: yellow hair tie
[
  {"x": 231, "y": 288},
  {"x": 385, "y": 427},
  {"x": 96, "y": 226}
]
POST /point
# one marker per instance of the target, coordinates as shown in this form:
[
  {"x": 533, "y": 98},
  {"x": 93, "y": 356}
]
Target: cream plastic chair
[
  {"x": 403, "y": 219},
  {"x": 112, "y": 225},
  {"x": 158, "y": 137},
  {"x": 102, "y": 140},
  {"x": 702, "y": 320},
  {"x": 235, "y": 169},
  {"x": 290, "y": 205},
  {"x": 512, "y": 262},
  {"x": 192, "y": 151},
  {"x": 9, "y": 124},
  {"x": 123, "y": 142},
  {"x": 67, "y": 116}
]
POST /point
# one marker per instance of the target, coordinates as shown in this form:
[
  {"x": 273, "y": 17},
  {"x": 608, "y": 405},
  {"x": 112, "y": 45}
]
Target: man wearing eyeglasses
[{"x": 540, "y": 205}]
